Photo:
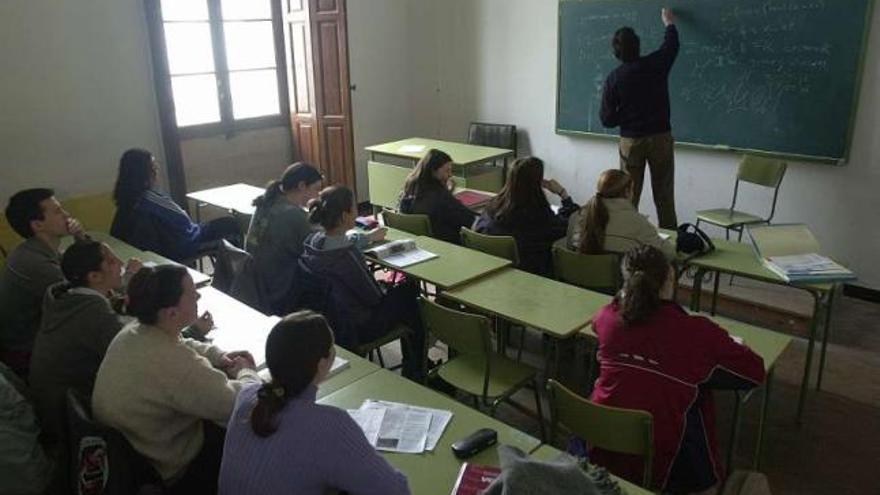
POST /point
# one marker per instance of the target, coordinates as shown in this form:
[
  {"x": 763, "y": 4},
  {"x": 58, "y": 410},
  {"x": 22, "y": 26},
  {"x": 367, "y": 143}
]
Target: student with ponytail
[
  {"x": 610, "y": 223},
  {"x": 280, "y": 441},
  {"x": 427, "y": 191},
  {"x": 359, "y": 308},
  {"x": 655, "y": 357},
  {"x": 167, "y": 394},
  {"x": 276, "y": 234}
]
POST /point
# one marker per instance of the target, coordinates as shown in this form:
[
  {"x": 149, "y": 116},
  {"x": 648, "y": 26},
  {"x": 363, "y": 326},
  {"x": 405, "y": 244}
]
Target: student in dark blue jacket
[
  {"x": 359, "y": 308},
  {"x": 152, "y": 221},
  {"x": 427, "y": 191},
  {"x": 521, "y": 210}
]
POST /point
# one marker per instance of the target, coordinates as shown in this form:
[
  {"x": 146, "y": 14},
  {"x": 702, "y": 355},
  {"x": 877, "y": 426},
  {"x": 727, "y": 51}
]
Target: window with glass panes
[{"x": 221, "y": 61}]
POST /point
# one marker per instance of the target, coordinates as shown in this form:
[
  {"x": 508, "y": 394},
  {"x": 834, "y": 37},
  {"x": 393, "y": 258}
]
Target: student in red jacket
[{"x": 655, "y": 357}]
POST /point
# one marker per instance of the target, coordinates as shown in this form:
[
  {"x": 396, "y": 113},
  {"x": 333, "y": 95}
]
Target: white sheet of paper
[
  {"x": 663, "y": 235},
  {"x": 412, "y": 148},
  {"x": 370, "y": 421},
  {"x": 439, "y": 419}
]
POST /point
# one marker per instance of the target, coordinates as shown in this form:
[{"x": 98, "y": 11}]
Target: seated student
[
  {"x": 167, "y": 394},
  {"x": 25, "y": 468},
  {"x": 655, "y": 357},
  {"x": 521, "y": 210},
  {"x": 427, "y": 191},
  {"x": 277, "y": 231},
  {"x": 280, "y": 441},
  {"x": 611, "y": 222},
  {"x": 150, "y": 220},
  {"x": 32, "y": 267},
  {"x": 362, "y": 310},
  {"x": 77, "y": 325}
]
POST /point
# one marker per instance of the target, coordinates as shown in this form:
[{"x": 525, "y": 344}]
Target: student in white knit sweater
[{"x": 167, "y": 394}]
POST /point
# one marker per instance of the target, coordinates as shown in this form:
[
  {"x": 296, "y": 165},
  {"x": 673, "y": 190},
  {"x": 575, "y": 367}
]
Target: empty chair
[
  {"x": 415, "y": 224},
  {"x": 487, "y": 376},
  {"x": 625, "y": 431},
  {"x": 757, "y": 170},
  {"x": 598, "y": 272},
  {"x": 494, "y": 135}
]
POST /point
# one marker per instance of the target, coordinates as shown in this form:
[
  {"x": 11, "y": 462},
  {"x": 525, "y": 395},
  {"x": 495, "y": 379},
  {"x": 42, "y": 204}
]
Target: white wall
[
  {"x": 75, "y": 92},
  {"x": 495, "y": 60}
]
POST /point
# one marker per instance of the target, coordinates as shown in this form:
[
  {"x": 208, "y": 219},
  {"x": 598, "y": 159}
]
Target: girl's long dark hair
[
  {"x": 299, "y": 172},
  {"x": 523, "y": 189},
  {"x": 135, "y": 177},
  {"x": 645, "y": 269},
  {"x": 326, "y": 210},
  {"x": 613, "y": 183},
  {"x": 293, "y": 349},
  {"x": 422, "y": 178}
]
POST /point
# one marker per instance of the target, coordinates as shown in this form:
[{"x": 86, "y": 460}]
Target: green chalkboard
[{"x": 778, "y": 76}]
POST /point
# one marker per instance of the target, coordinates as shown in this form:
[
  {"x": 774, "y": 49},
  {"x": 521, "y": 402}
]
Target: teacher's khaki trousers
[{"x": 657, "y": 152}]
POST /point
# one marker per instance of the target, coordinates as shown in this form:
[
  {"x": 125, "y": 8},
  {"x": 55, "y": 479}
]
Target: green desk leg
[
  {"x": 805, "y": 381},
  {"x": 762, "y": 422},
  {"x": 825, "y": 335},
  {"x": 715, "y": 292},
  {"x": 697, "y": 289}
]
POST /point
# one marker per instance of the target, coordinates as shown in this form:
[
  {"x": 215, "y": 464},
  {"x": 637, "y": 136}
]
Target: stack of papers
[
  {"x": 401, "y": 253},
  {"x": 396, "y": 427},
  {"x": 810, "y": 267}
]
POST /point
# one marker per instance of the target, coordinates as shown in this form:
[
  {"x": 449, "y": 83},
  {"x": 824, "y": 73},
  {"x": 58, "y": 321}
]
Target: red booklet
[
  {"x": 472, "y": 198},
  {"x": 474, "y": 478}
]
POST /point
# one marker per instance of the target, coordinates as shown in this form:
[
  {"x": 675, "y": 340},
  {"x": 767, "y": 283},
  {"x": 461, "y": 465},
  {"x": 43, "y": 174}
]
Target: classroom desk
[
  {"x": 240, "y": 327},
  {"x": 385, "y": 179},
  {"x": 739, "y": 259},
  {"x": 126, "y": 251},
  {"x": 235, "y": 198},
  {"x": 454, "y": 265},
  {"x": 430, "y": 472},
  {"x": 549, "y": 453},
  {"x": 552, "y": 307}
]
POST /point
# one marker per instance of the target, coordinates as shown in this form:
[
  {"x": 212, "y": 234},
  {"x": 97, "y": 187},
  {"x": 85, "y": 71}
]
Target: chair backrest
[
  {"x": 467, "y": 333},
  {"x": 762, "y": 171},
  {"x": 599, "y": 272},
  {"x": 627, "y": 431},
  {"x": 503, "y": 246},
  {"x": 101, "y": 459},
  {"x": 95, "y": 211},
  {"x": 415, "y": 224},
  {"x": 494, "y": 135},
  {"x": 229, "y": 265}
]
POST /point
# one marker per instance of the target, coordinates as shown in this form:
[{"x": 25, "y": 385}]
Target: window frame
[{"x": 228, "y": 124}]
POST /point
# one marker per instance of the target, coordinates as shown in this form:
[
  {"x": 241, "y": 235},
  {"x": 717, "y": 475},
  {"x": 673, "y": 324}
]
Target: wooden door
[{"x": 316, "y": 43}]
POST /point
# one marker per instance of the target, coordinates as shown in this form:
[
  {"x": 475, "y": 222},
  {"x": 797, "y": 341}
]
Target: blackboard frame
[{"x": 863, "y": 46}]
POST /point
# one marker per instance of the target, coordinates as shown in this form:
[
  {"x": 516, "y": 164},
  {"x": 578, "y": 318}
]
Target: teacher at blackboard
[{"x": 636, "y": 98}]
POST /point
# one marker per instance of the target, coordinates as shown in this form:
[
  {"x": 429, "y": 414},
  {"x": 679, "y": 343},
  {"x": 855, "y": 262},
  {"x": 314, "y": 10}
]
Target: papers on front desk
[{"x": 395, "y": 427}]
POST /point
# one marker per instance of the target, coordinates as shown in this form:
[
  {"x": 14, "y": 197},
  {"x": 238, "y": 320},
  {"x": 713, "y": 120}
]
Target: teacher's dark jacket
[{"x": 636, "y": 94}]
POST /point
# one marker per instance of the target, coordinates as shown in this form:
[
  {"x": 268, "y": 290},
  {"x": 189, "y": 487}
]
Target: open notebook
[
  {"x": 792, "y": 252},
  {"x": 401, "y": 253}
]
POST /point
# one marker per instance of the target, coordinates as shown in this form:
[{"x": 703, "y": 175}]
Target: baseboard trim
[{"x": 861, "y": 292}]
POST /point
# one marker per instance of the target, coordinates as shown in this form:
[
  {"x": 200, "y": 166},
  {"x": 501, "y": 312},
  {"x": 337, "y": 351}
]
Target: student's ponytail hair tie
[{"x": 272, "y": 392}]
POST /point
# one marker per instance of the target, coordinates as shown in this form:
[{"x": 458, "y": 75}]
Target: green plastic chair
[
  {"x": 757, "y": 170},
  {"x": 598, "y": 272},
  {"x": 412, "y": 223},
  {"x": 626, "y": 431},
  {"x": 502, "y": 246},
  {"x": 486, "y": 376},
  {"x": 369, "y": 348}
]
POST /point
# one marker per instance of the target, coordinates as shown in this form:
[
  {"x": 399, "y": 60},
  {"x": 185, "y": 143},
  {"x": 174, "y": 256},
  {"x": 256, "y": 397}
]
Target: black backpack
[{"x": 693, "y": 241}]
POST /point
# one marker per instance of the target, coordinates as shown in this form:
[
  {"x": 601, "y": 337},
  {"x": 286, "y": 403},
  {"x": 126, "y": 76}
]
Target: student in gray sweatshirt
[
  {"x": 276, "y": 234},
  {"x": 78, "y": 323},
  {"x": 32, "y": 266}
]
